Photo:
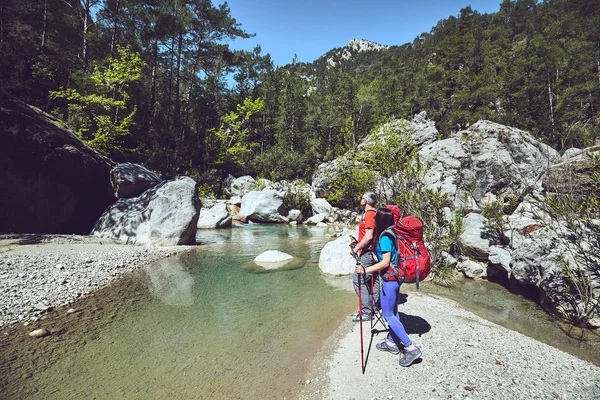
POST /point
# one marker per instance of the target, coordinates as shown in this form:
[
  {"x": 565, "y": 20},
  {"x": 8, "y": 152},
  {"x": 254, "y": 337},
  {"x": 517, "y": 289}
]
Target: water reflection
[
  {"x": 170, "y": 283},
  {"x": 342, "y": 283}
]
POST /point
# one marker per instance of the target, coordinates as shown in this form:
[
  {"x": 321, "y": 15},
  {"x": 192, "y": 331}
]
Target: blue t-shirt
[{"x": 386, "y": 245}]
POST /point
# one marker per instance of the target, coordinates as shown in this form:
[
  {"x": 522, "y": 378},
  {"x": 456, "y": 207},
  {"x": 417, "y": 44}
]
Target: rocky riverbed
[{"x": 41, "y": 272}]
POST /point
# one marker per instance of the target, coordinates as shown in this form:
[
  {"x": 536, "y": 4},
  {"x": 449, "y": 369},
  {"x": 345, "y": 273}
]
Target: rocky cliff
[{"x": 51, "y": 181}]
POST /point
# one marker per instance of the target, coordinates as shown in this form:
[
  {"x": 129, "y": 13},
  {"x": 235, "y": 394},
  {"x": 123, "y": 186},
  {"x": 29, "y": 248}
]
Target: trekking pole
[{"x": 360, "y": 314}]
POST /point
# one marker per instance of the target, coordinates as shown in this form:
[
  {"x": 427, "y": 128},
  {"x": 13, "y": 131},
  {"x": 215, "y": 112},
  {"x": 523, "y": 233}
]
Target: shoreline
[{"x": 39, "y": 273}]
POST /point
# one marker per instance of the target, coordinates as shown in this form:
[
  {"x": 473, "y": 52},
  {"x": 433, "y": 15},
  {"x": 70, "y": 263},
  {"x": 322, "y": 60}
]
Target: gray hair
[{"x": 371, "y": 198}]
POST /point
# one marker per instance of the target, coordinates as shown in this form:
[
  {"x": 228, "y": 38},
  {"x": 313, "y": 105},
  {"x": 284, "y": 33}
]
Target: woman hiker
[{"x": 386, "y": 251}]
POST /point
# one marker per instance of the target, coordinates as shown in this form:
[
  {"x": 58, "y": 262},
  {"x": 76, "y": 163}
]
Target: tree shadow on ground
[{"x": 33, "y": 238}]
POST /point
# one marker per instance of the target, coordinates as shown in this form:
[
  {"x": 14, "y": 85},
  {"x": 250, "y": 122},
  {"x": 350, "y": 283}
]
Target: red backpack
[{"x": 412, "y": 259}]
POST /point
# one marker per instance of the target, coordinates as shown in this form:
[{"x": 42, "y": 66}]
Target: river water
[{"x": 207, "y": 324}]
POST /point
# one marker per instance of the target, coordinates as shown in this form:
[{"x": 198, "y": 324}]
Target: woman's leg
[{"x": 389, "y": 309}]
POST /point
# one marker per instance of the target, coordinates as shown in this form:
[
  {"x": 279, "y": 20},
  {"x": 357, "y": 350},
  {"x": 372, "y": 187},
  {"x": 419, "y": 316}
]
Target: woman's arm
[{"x": 384, "y": 263}]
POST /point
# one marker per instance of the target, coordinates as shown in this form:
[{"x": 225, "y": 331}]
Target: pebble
[{"x": 39, "y": 333}]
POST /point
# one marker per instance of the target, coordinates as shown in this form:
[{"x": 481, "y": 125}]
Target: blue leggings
[{"x": 389, "y": 309}]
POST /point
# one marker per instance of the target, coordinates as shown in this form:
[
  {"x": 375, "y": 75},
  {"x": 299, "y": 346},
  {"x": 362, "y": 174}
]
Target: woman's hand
[{"x": 360, "y": 269}]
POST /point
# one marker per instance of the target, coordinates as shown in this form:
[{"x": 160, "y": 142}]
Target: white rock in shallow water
[
  {"x": 273, "y": 256},
  {"x": 38, "y": 333},
  {"x": 273, "y": 259}
]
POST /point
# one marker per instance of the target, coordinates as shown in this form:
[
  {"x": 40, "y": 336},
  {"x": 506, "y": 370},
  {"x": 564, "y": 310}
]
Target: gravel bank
[
  {"x": 464, "y": 357},
  {"x": 38, "y": 272}
]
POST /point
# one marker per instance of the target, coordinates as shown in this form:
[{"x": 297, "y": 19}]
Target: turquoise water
[{"x": 205, "y": 327}]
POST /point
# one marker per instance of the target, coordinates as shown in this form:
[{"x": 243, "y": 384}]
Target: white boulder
[
  {"x": 215, "y": 217},
  {"x": 335, "y": 258},
  {"x": 471, "y": 239},
  {"x": 263, "y": 206},
  {"x": 165, "y": 215}
]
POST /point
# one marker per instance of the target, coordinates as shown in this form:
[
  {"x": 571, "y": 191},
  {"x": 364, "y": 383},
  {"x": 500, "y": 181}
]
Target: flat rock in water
[
  {"x": 272, "y": 260},
  {"x": 272, "y": 256}
]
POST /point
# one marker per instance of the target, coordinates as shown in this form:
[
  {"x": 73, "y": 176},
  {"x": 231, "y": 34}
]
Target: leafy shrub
[
  {"x": 297, "y": 198},
  {"x": 580, "y": 262},
  {"x": 279, "y": 164}
]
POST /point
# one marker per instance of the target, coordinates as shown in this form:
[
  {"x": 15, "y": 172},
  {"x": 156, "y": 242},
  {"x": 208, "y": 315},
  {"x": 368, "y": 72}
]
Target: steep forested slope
[{"x": 532, "y": 65}]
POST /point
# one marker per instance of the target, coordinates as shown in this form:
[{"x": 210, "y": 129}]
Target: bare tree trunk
[
  {"x": 45, "y": 23},
  {"x": 598, "y": 61},
  {"x": 115, "y": 27},
  {"x": 170, "y": 90},
  {"x": 2, "y": 23},
  {"x": 590, "y": 96},
  {"x": 550, "y": 100},
  {"x": 153, "y": 84},
  {"x": 86, "y": 14},
  {"x": 177, "y": 112},
  {"x": 262, "y": 133}
]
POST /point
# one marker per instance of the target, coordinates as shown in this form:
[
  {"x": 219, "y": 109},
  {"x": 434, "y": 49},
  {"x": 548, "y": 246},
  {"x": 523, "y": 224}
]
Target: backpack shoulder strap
[{"x": 391, "y": 234}]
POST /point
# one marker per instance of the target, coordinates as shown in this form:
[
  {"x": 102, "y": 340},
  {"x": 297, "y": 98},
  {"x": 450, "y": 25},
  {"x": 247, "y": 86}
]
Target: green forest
[{"x": 155, "y": 82}]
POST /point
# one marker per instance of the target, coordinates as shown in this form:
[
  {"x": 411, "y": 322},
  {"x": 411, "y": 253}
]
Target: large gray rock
[
  {"x": 263, "y": 206},
  {"x": 295, "y": 216},
  {"x": 472, "y": 238},
  {"x": 529, "y": 216},
  {"x": 131, "y": 180},
  {"x": 321, "y": 206},
  {"x": 501, "y": 259},
  {"x": 471, "y": 269},
  {"x": 315, "y": 219},
  {"x": 52, "y": 182},
  {"x": 540, "y": 261},
  {"x": 326, "y": 173},
  {"x": 216, "y": 217},
  {"x": 335, "y": 258},
  {"x": 486, "y": 159},
  {"x": 167, "y": 214},
  {"x": 535, "y": 262},
  {"x": 242, "y": 185}
]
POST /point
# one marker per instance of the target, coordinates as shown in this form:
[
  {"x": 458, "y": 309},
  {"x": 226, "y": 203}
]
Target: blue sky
[{"x": 310, "y": 28}]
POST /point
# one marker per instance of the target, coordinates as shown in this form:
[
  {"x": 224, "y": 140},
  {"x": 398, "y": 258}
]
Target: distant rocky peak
[
  {"x": 359, "y": 45},
  {"x": 353, "y": 47}
]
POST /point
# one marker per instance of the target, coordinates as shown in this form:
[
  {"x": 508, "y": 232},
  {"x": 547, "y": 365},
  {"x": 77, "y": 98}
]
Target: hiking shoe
[
  {"x": 365, "y": 317},
  {"x": 410, "y": 356},
  {"x": 387, "y": 346}
]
